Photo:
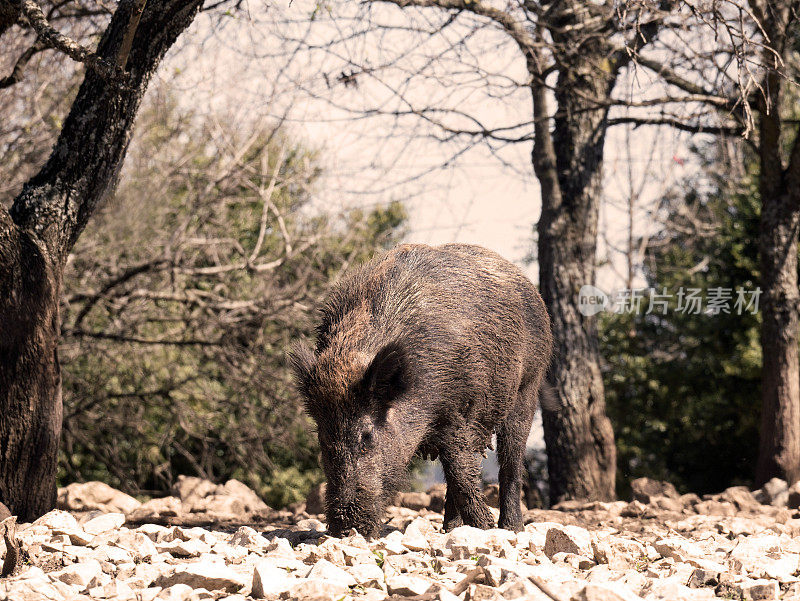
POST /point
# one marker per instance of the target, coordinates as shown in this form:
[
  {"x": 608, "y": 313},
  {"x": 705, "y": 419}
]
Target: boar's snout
[{"x": 363, "y": 513}]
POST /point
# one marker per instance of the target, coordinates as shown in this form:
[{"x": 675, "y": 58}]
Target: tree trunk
[
  {"x": 779, "y": 447},
  {"x": 40, "y": 230},
  {"x": 30, "y": 382},
  {"x": 581, "y": 455}
]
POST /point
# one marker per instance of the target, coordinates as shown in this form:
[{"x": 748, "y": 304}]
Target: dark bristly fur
[{"x": 430, "y": 350}]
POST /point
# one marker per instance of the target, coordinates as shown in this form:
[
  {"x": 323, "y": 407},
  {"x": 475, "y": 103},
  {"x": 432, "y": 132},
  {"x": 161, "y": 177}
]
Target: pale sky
[{"x": 239, "y": 68}]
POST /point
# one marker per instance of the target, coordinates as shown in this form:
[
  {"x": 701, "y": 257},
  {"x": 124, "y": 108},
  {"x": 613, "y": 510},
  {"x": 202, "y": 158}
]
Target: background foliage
[
  {"x": 181, "y": 299},
  {"x": 683, "y": 389}
]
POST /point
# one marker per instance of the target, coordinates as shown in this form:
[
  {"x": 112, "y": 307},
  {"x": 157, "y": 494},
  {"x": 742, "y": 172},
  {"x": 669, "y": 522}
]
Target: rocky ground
[{"x": 222, "y": 542}]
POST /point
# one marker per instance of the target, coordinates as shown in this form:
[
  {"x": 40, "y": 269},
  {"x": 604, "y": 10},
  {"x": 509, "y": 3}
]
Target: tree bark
[
  {"x": 41, "y": 228},
  {"x": 30, "y": 381},
  {"x": 779, "y": 446},
  {"x": 568, "y": 162}
]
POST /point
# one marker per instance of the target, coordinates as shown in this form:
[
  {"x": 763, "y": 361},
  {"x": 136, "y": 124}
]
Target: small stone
[
  {"x": 407, "y": 585},
  {"x": 325, "y": 570},
  {"x": 113, "y": 590},
  {"x": 268, "y": 579},
  {"x": 184, "y": 548},
  {"x": 368, "y": 575},
  {"x": 677, "y": 548},
  {"x": 104, "y": 522},
  {"x": 209, "y": 575},
  {"x": 138, "y": 545},
  {"x": 315, "y": 589},
  {"x": 701, "y": 578},
  {"x": 60, "y": 522},
  {"x": 415, "y": 536},
  {"x": 247, "y": 537},
  {"x": 481, "y": 592},
  {"x": 311, "y": 524},
  {"x": 176, "y": 592},
  {"x": 775, "y": 493},
  {"x": 79, "y": 574},
  {"x": 567, "y": 539},
  {"x": 218, "y": 504},
  {"x": 604, "y": 592}
]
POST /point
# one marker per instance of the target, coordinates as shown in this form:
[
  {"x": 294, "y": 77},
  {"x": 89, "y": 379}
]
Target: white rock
[
  {"x": 184, "y": 548},
  {"x": 152, "y": 531},
  {"x": 680, "y": 549},
  {"x": 391, "y": 544},
  {"x": 206, "y": 574},
  {"x": 407, "y": 585},
  {"x": 60, "y": 522},
  {"x": 144, "y": 575},
  {"x": 104, "y": 523},
  {"x": 79, "y": 574},
  {"x": 316, "y": 588},
  {"x": 113, "y": 555},
  {"x": 325, "y": 570},
  {"x": 605, "y": 592},
  {"x": 246, "y": 495},
  {"x": 672, "y": 590},
  {"x": 466, "y": 541},
  {"x": 95, "y": 495},
  {"x": 114, "y": 590},
  {"x": 568, "y": 539},
  {"x": 367, "y": 575},
  {"x": 177, "y": 592},
  {"x": 416, "y": 535},
  {"x": 138, "y": 544},
  {"x": 248, "y": 537},
  {"x": 268, "y": 580}
]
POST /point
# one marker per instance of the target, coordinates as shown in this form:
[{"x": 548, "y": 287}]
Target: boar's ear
[
  {"x": 386, "y": 375},
  {"x": 302, "y": 360}
]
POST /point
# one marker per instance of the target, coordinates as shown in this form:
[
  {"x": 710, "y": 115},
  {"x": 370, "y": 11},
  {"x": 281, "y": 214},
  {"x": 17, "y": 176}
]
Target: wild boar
[{"x": 426, "y": 350}]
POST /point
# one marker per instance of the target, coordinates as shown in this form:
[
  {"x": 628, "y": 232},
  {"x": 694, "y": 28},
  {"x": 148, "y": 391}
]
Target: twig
[{"x": 52, "y": 38}]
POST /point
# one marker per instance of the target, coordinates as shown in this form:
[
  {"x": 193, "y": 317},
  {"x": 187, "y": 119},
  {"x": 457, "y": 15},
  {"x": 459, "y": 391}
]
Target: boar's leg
[
  {"x": 512, "y": 436},
  {"x": 452, "y": 518},
  {"x": 462, "y": 471}
]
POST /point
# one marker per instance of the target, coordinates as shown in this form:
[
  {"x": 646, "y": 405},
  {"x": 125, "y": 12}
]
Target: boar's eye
[{"x": 367, "y": 440}]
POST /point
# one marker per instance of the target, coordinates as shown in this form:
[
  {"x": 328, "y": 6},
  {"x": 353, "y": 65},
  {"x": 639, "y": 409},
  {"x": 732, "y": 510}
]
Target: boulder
[
  {"x": 246, "y": 495},
  {"x": 222, "y": 505},
  {"x": 190, "y": 489},
  {"x": 86, "y": 496}
]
